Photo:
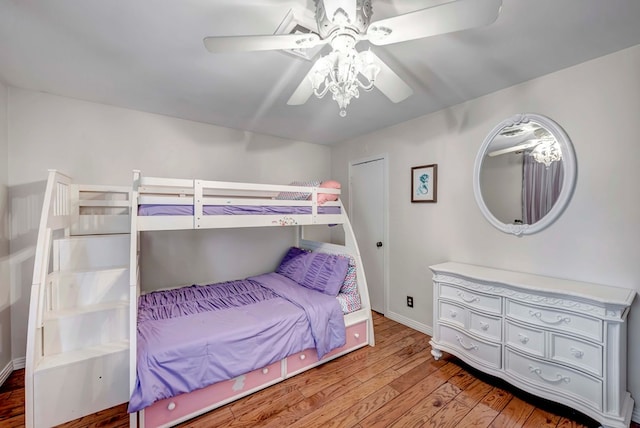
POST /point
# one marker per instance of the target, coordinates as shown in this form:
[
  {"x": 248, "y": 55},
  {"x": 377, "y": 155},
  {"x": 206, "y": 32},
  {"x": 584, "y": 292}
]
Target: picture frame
[{"x": 424, "y": 183}]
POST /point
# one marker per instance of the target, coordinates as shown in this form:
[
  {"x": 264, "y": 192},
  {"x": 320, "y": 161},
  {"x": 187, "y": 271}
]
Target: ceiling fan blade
[
  {"x": 387, "y": 81},
  {"x": 517, "y": 148},
  {"x": 445, "y": 18},
  {"x": 302, "y": 92},
  {"x": 217, "y": 44}
]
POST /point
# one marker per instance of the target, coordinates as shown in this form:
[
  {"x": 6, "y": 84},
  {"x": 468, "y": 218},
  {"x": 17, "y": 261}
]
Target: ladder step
[
  {"x": 103, "y": 203},
  {"x": 75, "y": 312},
  {"x": 73, "y": 329},
  {"x": 91, "y": 252},
  {"x": 89, "y": 287},
  {"x": 77, "y": 355},
  {"x": 101, "y": 224}
]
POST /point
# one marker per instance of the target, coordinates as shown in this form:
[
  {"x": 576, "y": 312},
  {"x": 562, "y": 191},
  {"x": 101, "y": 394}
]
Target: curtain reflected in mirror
[{"x": 541, "y": 187}]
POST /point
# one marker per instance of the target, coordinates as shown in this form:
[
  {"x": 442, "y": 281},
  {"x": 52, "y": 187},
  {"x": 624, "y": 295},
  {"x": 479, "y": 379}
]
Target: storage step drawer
[{"x": 70, "y": 330}]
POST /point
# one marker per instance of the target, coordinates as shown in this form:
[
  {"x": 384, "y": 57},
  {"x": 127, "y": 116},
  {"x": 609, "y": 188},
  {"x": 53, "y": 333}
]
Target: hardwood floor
[{"x": 394, "y": 384}]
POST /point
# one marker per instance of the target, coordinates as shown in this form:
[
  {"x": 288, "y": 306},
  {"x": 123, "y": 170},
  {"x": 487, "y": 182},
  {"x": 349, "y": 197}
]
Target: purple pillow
[
  {"x": 292, "y": 253},
  {"x": 317, "y": 271}
]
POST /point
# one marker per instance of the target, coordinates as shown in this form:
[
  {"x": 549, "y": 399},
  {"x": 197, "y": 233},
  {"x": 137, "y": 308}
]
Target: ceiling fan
[{"x": 343, "y": 24}]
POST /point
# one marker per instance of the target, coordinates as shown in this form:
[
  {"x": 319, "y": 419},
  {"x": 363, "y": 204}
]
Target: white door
[{"x": 368, "y": 211}]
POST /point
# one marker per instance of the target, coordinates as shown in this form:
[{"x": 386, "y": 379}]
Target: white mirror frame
[{"x": 568, "y": 184}]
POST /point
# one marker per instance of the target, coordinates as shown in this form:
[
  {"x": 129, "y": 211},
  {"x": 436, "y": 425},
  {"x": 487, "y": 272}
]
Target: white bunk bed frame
[
  {"x": 200, "y": 193},
  {"x": 73, "y": 294}
]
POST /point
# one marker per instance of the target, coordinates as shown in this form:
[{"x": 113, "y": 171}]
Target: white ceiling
[{"x": 149, "y": 56}]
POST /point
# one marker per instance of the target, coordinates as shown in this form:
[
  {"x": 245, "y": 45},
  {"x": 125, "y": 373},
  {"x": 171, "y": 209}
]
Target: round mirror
[{"x": 524, "y": 174}]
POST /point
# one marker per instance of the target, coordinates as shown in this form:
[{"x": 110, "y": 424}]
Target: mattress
[
  {"x": 195, "y": 336},
  {"x": 170, "y": 210}
]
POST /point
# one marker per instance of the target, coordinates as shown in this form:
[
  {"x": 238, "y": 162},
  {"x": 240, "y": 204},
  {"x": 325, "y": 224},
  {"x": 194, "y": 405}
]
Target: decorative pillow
[
  {"x": 324, "y": 197},
  {"x": 317, "y": 271},
  {"x": 350, "y": 283},
  {"x": 298, "y": 196},
  {"x": 303, "y": 196},
  {"x": 292, "y": 253},
  {"x": 349, "y": 302},
  {"x": 349, "y": 296}
]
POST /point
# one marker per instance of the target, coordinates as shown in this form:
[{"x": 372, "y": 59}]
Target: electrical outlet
[{"x": 410, "y": 301}]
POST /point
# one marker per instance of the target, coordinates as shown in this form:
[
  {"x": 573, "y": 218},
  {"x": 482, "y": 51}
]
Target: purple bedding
[
  {"x": 192, "y": 337},
  {"x": 156, "y": 209}
]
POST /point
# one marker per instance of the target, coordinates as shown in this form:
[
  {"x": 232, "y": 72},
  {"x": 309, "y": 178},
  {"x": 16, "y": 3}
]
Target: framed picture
[{"x": 424, "y": 183}]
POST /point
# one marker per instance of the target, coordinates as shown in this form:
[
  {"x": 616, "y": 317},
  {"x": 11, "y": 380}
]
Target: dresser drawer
[
  {"x": 485, "y": 325},
  {"x": 488, "y": 354},
  {"x": 180, "y": 407},
  {"x": 526, "y": 339},
  {"x": 472, "y": 299},
  {"x": 577, "y": 353},
  {"x": 555, "y": 378},
  {"x": 553, "y": 318},
  {"x": 453, "y": 313}
]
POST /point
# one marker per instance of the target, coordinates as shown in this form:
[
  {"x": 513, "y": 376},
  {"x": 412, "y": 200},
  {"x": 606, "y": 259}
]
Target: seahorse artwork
[{"x": 423, "y": 188}]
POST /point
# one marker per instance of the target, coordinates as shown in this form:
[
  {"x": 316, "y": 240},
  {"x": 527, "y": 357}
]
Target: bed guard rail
[{"x": 202, "y": 193}]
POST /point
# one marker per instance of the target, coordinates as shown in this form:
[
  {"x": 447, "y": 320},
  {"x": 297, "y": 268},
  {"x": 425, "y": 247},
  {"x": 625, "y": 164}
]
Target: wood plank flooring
[{"x": 394, "y": 384}]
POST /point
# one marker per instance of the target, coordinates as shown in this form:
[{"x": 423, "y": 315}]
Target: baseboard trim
[
  {"x": 635, "y": 415},
  {"x": 423, "y": 328},
  {"x": 19, "y": 363},
  {"x": 6, "y": 372}
]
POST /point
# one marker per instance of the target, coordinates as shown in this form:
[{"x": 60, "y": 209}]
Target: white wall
[
  {"x": 597, "y": 239},
  {"x": 5, "y": 285},
  {"x": 99, "y": 144}
]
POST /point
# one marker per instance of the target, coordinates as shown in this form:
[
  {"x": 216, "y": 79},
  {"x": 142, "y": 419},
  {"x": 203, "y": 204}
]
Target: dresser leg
[{"x": 437, "y": 354}]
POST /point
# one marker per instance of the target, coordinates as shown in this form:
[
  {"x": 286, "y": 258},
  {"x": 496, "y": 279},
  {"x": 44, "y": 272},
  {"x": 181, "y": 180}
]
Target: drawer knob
[
  {"x": 302, "y": 357},
  {"x": 576, "y": 352},
  {"x": 171, "y": 406},
  {"x": 265, "y": 370},
  {"x": 454, "y": 314},
  {"x": 484, "y": 326},
  {"x": 559, "y": 378},
  {"x": 356, "y": 335},
  {"x": 523, "y": 338}
]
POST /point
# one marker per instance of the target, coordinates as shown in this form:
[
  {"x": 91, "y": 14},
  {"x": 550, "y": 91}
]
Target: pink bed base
[{"x": 171, "y": 411}]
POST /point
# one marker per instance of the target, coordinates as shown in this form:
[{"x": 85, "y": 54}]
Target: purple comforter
[
  {"x": 158, "y": 209},
  {"x": 195, "y": 336}
]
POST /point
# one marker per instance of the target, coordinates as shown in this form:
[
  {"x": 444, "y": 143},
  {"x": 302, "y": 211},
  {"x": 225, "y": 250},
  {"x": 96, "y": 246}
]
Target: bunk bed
[{"x": 314, "y": 307}]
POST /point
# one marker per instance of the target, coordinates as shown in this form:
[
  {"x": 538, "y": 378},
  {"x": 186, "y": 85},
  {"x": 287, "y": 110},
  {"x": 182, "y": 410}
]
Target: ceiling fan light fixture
[
  {"x": 370, "y": 67},
  {"x": 547, "y": 152},
  {"x": 339, "y": 73}
]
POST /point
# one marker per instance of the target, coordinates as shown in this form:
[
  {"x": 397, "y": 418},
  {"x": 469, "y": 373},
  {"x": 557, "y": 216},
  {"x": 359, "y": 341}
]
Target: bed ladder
[{"x": 78, "y": 333}]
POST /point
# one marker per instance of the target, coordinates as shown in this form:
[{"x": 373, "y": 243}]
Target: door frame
[{"x": 384, "y": 157}]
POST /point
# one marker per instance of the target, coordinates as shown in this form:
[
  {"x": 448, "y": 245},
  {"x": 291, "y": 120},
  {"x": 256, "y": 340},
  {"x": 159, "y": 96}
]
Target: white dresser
[{"x": 562, "y": 340}]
